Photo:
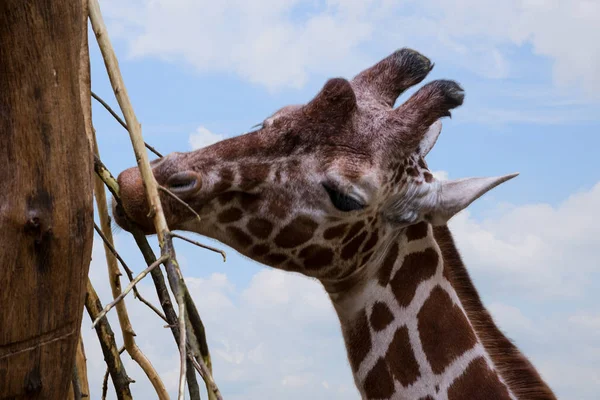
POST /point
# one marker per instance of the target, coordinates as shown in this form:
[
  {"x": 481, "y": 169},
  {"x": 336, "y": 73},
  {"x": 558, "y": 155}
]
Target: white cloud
[
  {"x": 203, "y": 137},
  {"x": 549, "y": 251},
  {"x": 279, "y": 337},
  {"x": 510, "y": 318},
  {"x": 587, "y": 321},
  {"x": 257, "y": 337},
  {"x": 278, "y": 43}
]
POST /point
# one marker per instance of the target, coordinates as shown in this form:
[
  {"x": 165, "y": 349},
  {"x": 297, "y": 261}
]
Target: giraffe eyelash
[{"x": 342, "y": 201}]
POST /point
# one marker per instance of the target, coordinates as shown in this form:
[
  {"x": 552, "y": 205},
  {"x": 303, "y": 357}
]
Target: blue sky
[{"x": 198, "y": 71}]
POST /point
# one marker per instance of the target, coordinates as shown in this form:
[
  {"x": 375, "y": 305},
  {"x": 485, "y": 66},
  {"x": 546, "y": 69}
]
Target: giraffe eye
[{"x": 341, "y": 201}]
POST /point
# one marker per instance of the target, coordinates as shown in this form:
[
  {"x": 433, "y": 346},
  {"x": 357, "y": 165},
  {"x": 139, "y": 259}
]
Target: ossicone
[{"x": 336, "y": 101}]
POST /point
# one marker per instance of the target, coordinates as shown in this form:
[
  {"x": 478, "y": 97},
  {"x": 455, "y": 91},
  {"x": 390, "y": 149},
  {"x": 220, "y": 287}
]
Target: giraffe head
[{"x": 318, "y": 188}]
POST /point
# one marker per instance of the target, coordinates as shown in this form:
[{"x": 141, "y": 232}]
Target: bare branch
[
  {"x": 106, "y": 177},
  {"x": 221, "y": 252},
  {"x": 115, "y": 283},
  {"x": 158, "y": 279},
  {"x": 205, "y": 373},
  {"x": 129, "y": 273},
  {"x": 107, "y": 343},
  {"x": 134, "y": 129},
  {"x": 75, "y": 384},
  {"x": 105, "y": 380},
  {"x": 120, "y": 121},
  {"x": 128, "y": 288},
  {"x": 174, "y": 275}
]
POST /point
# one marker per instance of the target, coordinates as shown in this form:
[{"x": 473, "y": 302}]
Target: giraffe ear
[
  {"x": 456, "y": 195},
  {"x": 431, "y": 136},
  {"x": 438, "y": 201}
]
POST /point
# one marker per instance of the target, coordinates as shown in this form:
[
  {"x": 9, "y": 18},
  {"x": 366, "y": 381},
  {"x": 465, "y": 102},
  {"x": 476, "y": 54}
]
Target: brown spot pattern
[
  {"x": 401, "y": 359},
  {"x": 292, "y": 266},
  {"x": 226, "y": 198},
  {"x": 379, "y": 383},
  {"x": 358, "y": 337},
  {"x": 411, "y": 171},
  {"x": 417, "y": 231},
  {"x": 260, "y": 227},
  {"x": 415, "y": 268},
  {"x": 225, "y": 182},
  {"x": 230, "y": 215},
  {"x": 316, "y": 256},
  {"x": 335, "y": 231},
  {"x": 249, "y": 202},
  {"x": 239, "y": 236},
  {"x": 478, "y": 382},
  {"x": 253, "y": 175},
  {"x": 350, "y": 250},
  {"x": 353, "y": 231},
  {"x": 260, "y": 250},
  {"x": 279, "y": 207},
  {"x": 444, "y": 331},
  {"x": 428, "y": 177},
  {"x": 297, "y": 232},
  {"x": 381, "y": 316},
  {"x": 275, "y": 259},
  {"x": 388, "y": 264}
]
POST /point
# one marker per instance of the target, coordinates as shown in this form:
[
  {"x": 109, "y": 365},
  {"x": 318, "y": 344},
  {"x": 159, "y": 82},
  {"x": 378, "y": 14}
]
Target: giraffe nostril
[{"x": 184, "y": 183}]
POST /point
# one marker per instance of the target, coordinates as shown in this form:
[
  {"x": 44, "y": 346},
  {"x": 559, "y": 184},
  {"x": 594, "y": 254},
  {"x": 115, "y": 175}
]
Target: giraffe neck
[{"x": 415, "y": 328}]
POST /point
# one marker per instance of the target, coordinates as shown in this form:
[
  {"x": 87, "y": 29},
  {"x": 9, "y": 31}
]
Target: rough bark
[{"x": 46, "y": 211}]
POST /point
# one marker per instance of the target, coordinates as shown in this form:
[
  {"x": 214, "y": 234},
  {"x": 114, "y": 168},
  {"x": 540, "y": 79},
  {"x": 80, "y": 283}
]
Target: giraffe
[{"x": 338, "y": 190}]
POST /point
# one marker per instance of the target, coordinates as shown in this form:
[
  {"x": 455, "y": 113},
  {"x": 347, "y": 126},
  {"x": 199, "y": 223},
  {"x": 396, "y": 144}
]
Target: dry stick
[
  {"x": 205, "y": 372},
  {"x": 183, "y": 203},
  {"x": 221, "y": 252},
  {"x": 198, "y": 336},
  {"x": 121, "y": 296},
  {"x": 165, "y": 301},
  {"x": 129, "y": 273},
  {"x": 115, "y": 283},
  {"x": 158, "y": 278},
  {"x": 107, "y": 343},
  {"x": 106, "y": 177},
  {"x": 123, "y": 124},
  {"x": 159, "y": 281},
  {"x": 75, "y": 384},
  {"x": 160, "y": 223},
  {"x": 105, "y": 379},
  {"x": 124, "y": 293}
]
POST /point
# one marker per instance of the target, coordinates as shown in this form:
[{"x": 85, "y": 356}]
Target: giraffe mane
[{"x": 515, "y": 368}]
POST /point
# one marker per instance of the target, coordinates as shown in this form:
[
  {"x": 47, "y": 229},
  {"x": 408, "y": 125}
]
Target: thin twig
[
  {"x": 174, "y": 275},
  {"x": 138, "y": 278},
  {"x": 129, "y": 273},
  {"x": 109, "y": 180},
  {"x": 105, "y": 385},
  {"x": 105, "y": 380},
  {"x": 114, "y": 275},
  {"x": 221, "y": 252},
  {"x": 205, "y": 373},
  {"x": 107, "y": 343},
  {"x": 158, "y": 279},
  {"x": 183, "y": 203},
  {"x": 75, "y": 384},
  {"x": 134, "y": 129},
  {"x": 120, "y": 121}
]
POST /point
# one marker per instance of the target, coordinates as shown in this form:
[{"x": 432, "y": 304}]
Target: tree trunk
[{"x": 46, "y": 209}]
